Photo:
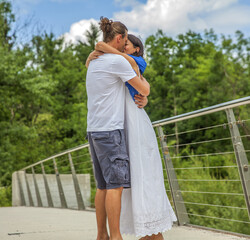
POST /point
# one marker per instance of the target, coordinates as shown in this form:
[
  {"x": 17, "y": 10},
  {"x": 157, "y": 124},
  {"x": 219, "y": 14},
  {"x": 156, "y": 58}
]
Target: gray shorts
[{"x": 110, "y": 158}]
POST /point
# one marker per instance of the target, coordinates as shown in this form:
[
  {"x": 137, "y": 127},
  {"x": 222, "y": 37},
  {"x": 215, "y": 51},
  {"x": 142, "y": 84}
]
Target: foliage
[
  {"x": 5, "y": 196},
  {"x": 200, "y": 171},
  {"x": 6, "y": 19},
  {"x": 44, "y": 105}
]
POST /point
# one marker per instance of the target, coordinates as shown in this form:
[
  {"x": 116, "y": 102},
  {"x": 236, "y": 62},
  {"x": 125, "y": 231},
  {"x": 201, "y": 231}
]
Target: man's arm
[
  {"x": 141, "y": 101},
  {"x": 141, "y": 85}
]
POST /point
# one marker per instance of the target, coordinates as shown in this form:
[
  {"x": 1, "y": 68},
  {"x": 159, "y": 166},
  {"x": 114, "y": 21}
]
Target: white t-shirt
[{"x": 105, "y": 80}]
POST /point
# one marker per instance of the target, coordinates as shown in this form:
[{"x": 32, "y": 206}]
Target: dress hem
[{"x": 148, "y": 234}]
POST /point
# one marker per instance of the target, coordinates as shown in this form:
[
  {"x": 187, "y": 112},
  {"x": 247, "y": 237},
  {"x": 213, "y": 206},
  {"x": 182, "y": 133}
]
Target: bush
[{"x": 5, "y": 196}]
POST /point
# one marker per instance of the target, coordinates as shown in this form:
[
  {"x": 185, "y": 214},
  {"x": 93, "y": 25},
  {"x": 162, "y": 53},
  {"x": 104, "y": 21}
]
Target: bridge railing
[
  {"x": 206, "y": 171},
  {"x": 63, "y": 180},
  {"x": 206, "y": 156}
]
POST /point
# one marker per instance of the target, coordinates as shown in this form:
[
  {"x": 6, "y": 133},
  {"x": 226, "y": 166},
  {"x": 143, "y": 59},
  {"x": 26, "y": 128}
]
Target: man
[{"x": 105, "y": 80}]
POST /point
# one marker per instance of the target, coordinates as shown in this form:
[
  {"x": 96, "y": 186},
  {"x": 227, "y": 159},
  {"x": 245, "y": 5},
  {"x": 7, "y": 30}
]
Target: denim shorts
[{"x": 110, "y": 159}]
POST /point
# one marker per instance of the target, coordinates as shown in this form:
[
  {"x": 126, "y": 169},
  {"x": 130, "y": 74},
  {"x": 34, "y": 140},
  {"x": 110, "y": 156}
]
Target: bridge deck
[{"x": 29, "y": 223}]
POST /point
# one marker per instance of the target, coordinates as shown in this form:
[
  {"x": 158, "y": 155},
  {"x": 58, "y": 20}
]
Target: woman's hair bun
[{"x": 105, "y": 24}]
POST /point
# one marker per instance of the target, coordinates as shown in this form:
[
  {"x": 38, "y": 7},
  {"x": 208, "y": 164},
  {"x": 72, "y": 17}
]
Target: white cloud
[
  {"x": 230, "y": 18},
  {"x": 178, "y": 16},
  {"x": 174, "y": 17},
  {"x": 78, "y": 30}
]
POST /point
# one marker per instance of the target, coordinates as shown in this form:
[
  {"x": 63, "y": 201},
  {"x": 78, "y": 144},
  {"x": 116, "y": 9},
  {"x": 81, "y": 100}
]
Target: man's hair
[
  {"x": 110, "y": 29},
  {"x": 136, "y": 43}
]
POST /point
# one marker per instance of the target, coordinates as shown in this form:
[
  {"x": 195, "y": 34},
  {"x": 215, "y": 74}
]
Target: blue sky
[
  {"x": 143, "y": 17},
  {"x": 59, "y": 15}
]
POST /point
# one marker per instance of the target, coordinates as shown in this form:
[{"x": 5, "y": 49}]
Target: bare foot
[
  {"x": 145, "y": 238},
  {"x": 153, "y": 237},
  {"x": 157, "y": 237}
]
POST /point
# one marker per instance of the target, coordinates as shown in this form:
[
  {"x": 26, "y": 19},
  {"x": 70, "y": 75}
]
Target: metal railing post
[
  {"x": 23, "y": 203},
  {"x": 241, "y": 157},
  {"x": 28, "y": 190},
  {"x": 48, "y": 194},
  {"x": 38, "y": 197},
  {"x": 79, "y": 198},
  {"x": 60, "y": 188},
  {"x": 179, "y": 206}
]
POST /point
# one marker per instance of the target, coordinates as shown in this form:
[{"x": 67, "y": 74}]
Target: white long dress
[{"x": 146, "y": 209}]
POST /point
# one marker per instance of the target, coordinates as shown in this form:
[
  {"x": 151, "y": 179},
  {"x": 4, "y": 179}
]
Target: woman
[{"x": 146, "y": 210}]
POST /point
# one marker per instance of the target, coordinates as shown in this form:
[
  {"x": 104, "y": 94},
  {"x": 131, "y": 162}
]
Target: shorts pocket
[
  {"x": 99, "y": 135},
  {"x": 117, "y": 137},
  {"x": 119, "y": 172}
]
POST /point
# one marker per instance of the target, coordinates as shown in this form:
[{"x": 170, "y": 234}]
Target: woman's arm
[
  {"x": 93, "y": 55},
  {"x": 104, "y": 47}
]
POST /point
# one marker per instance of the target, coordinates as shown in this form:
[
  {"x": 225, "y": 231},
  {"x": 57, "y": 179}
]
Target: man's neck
[{"x": 113, "y": 44}]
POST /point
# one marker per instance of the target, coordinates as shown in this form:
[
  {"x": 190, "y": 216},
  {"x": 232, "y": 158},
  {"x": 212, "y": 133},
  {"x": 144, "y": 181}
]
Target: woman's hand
[
  {"x": 141, "y": 101},
  {"x": 93, "y": 55}
]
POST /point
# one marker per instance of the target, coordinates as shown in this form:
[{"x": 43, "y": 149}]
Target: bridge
[{"x": 209, "y": 191}]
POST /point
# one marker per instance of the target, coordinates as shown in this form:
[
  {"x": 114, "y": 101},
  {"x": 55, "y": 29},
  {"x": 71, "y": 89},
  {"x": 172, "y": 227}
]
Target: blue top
[{"x": 142, "y": 66}]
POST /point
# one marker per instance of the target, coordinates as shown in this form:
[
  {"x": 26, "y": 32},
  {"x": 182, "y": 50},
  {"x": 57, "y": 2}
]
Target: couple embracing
[{"x": 124, "y": 149}]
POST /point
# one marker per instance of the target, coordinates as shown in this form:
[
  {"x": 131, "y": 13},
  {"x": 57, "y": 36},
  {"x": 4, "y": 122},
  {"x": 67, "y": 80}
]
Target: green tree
[
  {"x": 92, "y": 35},
  {"x": 6, "y": 19}
]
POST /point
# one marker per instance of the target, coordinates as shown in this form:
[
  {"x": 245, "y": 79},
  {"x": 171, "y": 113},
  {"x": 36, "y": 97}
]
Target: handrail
[
  {"x": 57, "y": 155},
  {"x": 200, "y": 112},
  {"x": 203, "y": 111}
]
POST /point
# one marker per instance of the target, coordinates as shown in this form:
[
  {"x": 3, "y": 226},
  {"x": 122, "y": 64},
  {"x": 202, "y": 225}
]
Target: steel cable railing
[
  {"x": 213, "y": 205},
  {"x": 205, "y": 167},
  {"x": 216, "y": 171},
  {"x": 198, "y": 129},
  {"x": 224, "y": 125},
  {"x": 197, "y": 182},
  {"x": 218, "y": 193},
  {"x": 217, "y": 218}
]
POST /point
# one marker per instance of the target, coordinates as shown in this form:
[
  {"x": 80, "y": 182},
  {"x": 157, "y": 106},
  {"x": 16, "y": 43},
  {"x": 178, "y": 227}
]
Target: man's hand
[{"x": 141, "y": 101}]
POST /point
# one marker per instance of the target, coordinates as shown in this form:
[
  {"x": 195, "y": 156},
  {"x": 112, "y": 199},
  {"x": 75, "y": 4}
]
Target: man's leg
[
  {"x": 112, "y": 173},
  {"x": 113, "y": 209},
  {"x": 101, "y": 217}
]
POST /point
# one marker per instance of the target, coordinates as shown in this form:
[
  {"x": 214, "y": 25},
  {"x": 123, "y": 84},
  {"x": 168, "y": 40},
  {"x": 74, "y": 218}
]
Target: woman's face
[{"x": 130, "y": 49}]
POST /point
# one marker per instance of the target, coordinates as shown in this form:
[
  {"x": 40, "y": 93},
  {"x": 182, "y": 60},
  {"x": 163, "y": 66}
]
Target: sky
[{"x": 72, "y": 18}]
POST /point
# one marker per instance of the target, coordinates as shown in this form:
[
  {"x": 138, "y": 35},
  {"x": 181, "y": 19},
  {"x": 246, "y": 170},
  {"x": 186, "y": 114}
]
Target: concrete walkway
[{"x": 28, "y": 223}]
